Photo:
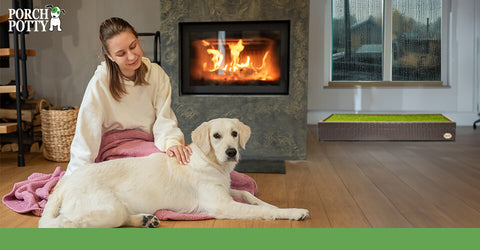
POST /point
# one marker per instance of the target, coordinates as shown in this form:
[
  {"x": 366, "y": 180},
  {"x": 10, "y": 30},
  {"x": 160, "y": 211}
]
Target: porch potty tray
[{"x": 386, "y": 127}]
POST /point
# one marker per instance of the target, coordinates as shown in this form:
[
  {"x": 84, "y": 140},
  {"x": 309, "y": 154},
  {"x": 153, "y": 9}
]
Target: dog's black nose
[{"x": 231, "y": 152}]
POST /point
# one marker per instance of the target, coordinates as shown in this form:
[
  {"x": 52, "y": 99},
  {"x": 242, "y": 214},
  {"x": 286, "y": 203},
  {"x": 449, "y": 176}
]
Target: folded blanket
[{"x": 31, "y": 195}]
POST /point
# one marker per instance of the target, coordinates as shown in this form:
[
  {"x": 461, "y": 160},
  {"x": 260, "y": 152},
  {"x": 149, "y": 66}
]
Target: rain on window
[{"x": 358, "y": 40}]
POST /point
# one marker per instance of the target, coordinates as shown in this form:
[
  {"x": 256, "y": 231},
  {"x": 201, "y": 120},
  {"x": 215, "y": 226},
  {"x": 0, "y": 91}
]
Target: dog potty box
[{"x": 386, "y": 127}]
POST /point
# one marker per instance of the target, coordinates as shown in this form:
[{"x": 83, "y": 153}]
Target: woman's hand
[{"x": 182, "y": 153}]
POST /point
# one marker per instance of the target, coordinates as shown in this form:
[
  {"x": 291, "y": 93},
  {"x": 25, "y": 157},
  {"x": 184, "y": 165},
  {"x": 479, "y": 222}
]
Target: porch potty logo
[{"x": 35, "y": 19}]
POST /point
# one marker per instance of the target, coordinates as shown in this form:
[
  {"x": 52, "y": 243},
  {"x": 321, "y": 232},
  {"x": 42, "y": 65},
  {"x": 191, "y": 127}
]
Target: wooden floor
[{"x": 343, "y": 184}]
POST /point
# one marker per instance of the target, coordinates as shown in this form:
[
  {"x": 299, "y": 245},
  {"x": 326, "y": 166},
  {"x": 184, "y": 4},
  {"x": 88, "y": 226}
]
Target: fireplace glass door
[{"x": 234, "y": 57}]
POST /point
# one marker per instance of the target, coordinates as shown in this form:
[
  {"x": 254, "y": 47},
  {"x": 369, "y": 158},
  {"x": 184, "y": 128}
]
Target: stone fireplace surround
[{"x": 278, "y": 123}]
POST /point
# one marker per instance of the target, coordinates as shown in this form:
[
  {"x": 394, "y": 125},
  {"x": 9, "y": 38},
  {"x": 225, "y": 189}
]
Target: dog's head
[
  {"x": 220, "y": 138},
  {"x": 55, "y": 11}
]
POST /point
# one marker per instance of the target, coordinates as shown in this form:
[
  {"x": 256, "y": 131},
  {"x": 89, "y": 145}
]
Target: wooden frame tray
[{"x": 401, "y": 128}]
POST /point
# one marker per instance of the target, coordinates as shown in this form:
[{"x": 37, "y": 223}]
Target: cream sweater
[{"x": 146, "y": 108}]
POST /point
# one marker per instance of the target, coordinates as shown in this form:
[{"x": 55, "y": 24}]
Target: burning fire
[{"x": 235, "y": 60}]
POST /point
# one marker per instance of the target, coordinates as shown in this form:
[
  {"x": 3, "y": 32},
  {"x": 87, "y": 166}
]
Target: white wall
[
  {"x": 477, "y": 49},
  {"x": 459, "y": 102},
  {"x": 66, "y": 60}
]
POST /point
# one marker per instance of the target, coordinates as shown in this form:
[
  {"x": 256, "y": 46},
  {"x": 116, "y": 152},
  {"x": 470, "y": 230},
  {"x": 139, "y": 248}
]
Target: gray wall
[{"x": 66, "y": 60}]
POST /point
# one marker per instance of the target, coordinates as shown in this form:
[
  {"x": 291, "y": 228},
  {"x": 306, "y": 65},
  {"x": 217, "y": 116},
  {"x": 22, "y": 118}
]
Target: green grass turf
[{"x": 386, "y": 118}]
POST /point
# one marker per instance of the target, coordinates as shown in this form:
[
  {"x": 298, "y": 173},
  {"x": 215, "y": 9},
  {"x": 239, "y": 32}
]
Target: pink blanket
[{"x": 31, "y": 195}]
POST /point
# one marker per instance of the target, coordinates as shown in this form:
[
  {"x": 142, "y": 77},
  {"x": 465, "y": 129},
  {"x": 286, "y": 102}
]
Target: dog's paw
[
  {"x": 298, "y": 214},
  {"x": 150, "y": 221}
]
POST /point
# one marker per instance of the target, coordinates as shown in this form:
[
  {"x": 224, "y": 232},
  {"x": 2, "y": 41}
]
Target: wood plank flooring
[{"x": 343, "y": 184}]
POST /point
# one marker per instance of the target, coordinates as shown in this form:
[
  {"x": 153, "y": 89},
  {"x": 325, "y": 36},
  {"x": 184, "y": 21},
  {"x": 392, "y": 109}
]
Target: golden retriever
[{"x": 126, "y": 192}]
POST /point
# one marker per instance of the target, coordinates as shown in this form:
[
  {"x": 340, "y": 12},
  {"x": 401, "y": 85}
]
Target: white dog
[
  {"x": 126, "y": 192},
  {"x": 55, "y": 20}
]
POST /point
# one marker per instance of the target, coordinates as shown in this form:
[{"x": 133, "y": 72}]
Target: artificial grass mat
[{"x": 387, "y": 118}]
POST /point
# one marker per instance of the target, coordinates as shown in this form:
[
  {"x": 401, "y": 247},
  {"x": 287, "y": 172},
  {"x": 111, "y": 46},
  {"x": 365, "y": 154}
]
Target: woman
[{"x": 127, "y": 91}]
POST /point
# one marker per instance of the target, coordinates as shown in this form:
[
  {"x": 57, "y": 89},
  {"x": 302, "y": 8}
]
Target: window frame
[{"x": 387, "y": 57}]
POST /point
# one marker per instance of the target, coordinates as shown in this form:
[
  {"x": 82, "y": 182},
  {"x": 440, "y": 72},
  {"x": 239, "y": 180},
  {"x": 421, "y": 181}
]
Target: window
[{"x": 387, "y": 41}]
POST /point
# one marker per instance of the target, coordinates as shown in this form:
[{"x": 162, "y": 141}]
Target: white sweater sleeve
[
  {"x": 165, "y": 128},
  {"x": 88, "y": 132}
]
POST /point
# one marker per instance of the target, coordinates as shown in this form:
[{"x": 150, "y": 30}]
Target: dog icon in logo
[{"x": 55, "y": 12}]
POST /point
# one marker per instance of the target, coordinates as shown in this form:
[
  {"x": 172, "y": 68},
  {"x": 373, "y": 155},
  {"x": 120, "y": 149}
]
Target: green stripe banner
[{"x": 285, "y": 238}]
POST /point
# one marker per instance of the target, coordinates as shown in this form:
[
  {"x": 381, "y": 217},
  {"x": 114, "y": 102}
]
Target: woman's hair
[{"x": 108, "y": 29}]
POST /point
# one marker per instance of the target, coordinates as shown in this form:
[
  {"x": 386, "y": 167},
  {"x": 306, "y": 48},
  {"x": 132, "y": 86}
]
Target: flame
[
  {"x": 231, "y": 60},
  {"x": 217, "y": 59},
  {"x": 235, "y": 50}
]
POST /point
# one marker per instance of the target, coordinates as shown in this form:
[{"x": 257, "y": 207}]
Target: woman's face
[{"x": 124, "y": 49}]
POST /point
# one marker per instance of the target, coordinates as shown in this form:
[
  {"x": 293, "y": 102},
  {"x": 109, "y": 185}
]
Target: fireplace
[
  {"x": 234, "y": 57},
  {"x": 277, "y": 121}
]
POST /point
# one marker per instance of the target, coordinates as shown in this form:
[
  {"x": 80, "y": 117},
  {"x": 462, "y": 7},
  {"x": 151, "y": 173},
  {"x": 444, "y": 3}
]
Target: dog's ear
[
  {"x": 201, "y": 137},
  {"x": 244, "y": 133}
]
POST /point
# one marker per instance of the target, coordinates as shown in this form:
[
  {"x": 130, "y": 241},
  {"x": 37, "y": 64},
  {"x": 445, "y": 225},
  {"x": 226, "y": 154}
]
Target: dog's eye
[
  {"x": 234, "y": 133},
  {"x": 217, "y": 136}
]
